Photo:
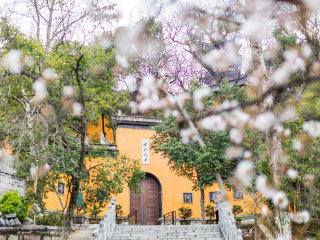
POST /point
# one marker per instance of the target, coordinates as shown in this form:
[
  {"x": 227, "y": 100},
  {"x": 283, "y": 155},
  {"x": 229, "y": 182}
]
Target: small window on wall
[
  {"x": 61, "y": 188},
  {"x": 212, "y": 196},
  {"x": 187, "y": 198},
  {"x": 237, "y": 195}
]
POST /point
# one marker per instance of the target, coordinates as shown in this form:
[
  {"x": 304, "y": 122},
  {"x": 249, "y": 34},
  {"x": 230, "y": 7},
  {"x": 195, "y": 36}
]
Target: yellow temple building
[{"x": 163, "y": 190}]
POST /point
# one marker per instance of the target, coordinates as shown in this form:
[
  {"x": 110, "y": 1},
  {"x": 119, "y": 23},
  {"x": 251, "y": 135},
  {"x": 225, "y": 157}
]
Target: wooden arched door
[{"x": 147, "y": 204}]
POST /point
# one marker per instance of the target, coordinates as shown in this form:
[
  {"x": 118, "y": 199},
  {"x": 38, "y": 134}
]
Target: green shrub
[
  {"x": 185, "y": 212},
  {"x": 209, "y": 210},
  {"x": 12, "y": 203},
  {"x": 51, "y": 219},
  {"x": 237, "y": 209},
  {"x": 119, "y": 211}
]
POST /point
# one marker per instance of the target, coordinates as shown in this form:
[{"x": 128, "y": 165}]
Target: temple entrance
[{"x": 148, "y": 203}]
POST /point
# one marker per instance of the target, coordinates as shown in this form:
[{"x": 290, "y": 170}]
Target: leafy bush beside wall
[{"x": 12, "y": 203}]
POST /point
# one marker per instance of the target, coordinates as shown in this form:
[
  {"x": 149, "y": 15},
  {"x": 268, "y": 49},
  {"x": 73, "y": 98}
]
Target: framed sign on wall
[
  {"x": 212, "y": 196},
  {"x": 187, "y": 198},
  {"x": 237, "y": 195},
  {"x": 61, "y": 188},
  {"x": 145, "y": 151}
]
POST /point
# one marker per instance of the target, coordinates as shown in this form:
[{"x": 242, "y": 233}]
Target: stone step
[
  {"x": 167, "y": 226},
  {"x": 171, "y": 237},
  {"x": 170, "y": 231},
  {"x": 123, "y": 234}
]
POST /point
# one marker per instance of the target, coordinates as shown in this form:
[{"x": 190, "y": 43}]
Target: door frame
[{"x": 160, "y": 193}]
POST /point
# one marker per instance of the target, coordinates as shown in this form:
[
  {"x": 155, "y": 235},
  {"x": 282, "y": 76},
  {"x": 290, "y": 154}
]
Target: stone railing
[
  {"x": 107, "y": 224},
  {"x": 227, "y": 223}
]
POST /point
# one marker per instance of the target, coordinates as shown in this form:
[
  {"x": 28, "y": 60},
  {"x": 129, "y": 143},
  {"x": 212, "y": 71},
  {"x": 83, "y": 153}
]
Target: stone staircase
[{"x": 185, "y": 232}]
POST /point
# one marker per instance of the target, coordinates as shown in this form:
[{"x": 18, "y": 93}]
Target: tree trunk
[
  {"x": 224, "y": 197},
  {"x": 203, "y": 216},
  {"x": 69, "y": 214},
  {"x": 273, "y": 139}
]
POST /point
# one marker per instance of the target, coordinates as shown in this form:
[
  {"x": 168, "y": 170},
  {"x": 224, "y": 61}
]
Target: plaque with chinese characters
[
  {"x": 212, "y": 196},
  {"x": 237, "y": 195},
  {"x": 145, "y": 151},
  {"x": 61, "y": 188},
  {"x": 187, "y": 198}
]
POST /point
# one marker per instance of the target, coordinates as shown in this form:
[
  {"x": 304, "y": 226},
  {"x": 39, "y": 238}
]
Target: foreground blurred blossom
[
  {"x": 262, "y": 187},
  {"x": 244, "y": 172},
  {"x": 227, "y": 104},
  {"x": 130, "y": 83},
  {"x": 292, "y": 173},
  {"x": 265, "y": 121},
  {"x": 247, "y": 155},
  {"x": 288, "y": 114},
  {"x": 213, "y": 123},
  {"x": 33, "y": 172},
  {"x": 199, "y": 95},
  {"x": 12, "y": 61},
  {"x": 256, "y": 26},
  {"x": 187, "y": 135},
  {"x": 40, "y": 89},
  {"x": 287, "y": 132},
  {"x": 236, "y": 135},
  {"x": 183, "y": 97},
  {"x": 309, "y": 180},
  {"x": 122, "y": 60},
  {"x": 48, "y": 74},
  {"x": 76, "y": 108},
  {"x": 297, "y": 145},
  {"x": 68, "y": 91},
  {"x": 264, "y": 211},
  {"x": 233, "y": 152},
  {"x": 237, "y": 118},
  {"x": 1, "y": 155},
  {"x": 312, "y": 128},
  {"x": 134, "y": 107},
  {"x": 148, "y": 87},
  {"x": 145, "y": 105},
  {"x": 39, "y": 171},
  {"x": 280, "y": 199},
  {"x": 312, "y": 5},
  {"x": 300, "y": 217},
  {"x": 306, "y": 51}
]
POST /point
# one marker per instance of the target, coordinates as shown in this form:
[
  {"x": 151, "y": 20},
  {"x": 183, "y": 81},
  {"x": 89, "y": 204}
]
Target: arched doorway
[{"x": 147, "y": 204}]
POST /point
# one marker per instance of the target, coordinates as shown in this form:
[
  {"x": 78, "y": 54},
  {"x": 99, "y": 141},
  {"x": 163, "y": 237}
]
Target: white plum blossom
[
  {"x": 256, "y": 26},
  {"x": 237, "y": 118},
  {"x": 312, "y": 5},
  {"x": 175, "y": 113},
  {"x": 134, "y": 107},
  {"x": 236, "y": 135},
  {"x": 183, "y": 97},
  {"x": 306, "y": 51},
  {"x": 187, "y": 135},
  {"x": 214, "y": 123},
  {"x": 122, "y": 60},
  {"x": 288, "y": 114},
  {"x": 40, "y": 89},
  {"x": 265, "y": 121},
  {"x": 309, "y": 180},
  {"x": 148, "y": 86},
  {"x": 12, "y": 61},
  {"x": 287, "y": 132},
  {"x": 300, "y": 217},
  {"x": 76, "y": 108},
  {"x": 312, "y": 128},
  {"x": 264, "y": 211},
  {"x": 199, "y": 95},
  {"x": 1, "y": 155},
  {"x": 227, "y": 104},
  {"x": 129, "y": 80},
  {"x": 68, "y": 91},
  {"x": 33, "y": 172},
  {"x": 280, "y": 76},
  {"x": 292, "y": 60},
  {"x": 244, "y": 172},
  {"x": 280, "y": 199},
  {"x": 292, "y": 173},
  {"x": 145, "y": 105},
  {"x": 262, "y": 187},
  {"x": 297, "y": 145},
  {"x": 48, "y": 74},
  {"x": 247, "y": 155},
  {"x": 233, "y": 152}
]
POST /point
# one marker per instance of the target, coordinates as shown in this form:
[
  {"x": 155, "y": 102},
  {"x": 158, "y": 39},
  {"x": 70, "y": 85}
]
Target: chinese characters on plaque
[
  {"x": 187, "y": 198},
  {"x": 145, "y": 151},
  {"x": 61, "y": 188},
  {"x": 237, "y": 195}
]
